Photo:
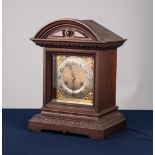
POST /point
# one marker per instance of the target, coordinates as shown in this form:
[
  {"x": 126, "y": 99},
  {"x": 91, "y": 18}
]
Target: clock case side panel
[
  {"x": 47, "y": 77},
  {"x": 105, "y": 81}
]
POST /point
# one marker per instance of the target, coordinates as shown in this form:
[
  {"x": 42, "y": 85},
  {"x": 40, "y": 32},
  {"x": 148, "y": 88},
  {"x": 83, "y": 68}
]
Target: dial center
[{"x": 73, "y": 77}]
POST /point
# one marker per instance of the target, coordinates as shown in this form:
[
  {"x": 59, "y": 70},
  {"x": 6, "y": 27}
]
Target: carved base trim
[{"x": 96, "y": 129}]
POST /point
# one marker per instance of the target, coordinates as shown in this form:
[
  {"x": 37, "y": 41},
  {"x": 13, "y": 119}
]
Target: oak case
[{"x": 102, "y": 118}]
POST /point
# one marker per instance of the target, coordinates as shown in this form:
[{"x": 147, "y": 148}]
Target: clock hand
[{"x": 73, "y": 77}]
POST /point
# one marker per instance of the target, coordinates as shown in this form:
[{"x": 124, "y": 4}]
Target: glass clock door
[{"x": 73, "y": 79}]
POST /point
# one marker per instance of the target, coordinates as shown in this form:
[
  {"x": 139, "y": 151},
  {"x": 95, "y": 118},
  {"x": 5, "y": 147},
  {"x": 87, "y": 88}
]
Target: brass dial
[{"x": 74, "y": 77}]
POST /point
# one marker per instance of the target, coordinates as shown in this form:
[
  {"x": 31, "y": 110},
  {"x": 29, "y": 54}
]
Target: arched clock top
[
  {"x": 71, "y": 33},
  {"x": 66, "y": 29}
]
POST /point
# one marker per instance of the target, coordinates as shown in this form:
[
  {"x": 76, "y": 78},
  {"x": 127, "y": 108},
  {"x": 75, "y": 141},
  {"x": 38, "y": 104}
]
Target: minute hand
[{"x": 73, "y": 77}]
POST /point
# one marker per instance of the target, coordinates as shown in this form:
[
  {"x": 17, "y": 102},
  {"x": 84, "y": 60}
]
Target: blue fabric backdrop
[{"x": 136, "y": 139}]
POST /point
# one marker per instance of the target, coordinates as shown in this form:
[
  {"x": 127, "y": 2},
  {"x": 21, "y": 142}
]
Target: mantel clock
[{"x": 79, "y": 79}]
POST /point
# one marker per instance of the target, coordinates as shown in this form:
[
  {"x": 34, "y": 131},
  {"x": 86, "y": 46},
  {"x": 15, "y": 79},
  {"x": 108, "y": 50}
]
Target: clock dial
[{"x": 75, "y": 78}]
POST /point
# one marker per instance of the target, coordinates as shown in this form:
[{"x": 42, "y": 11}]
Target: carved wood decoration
[
  {"x": 83, "y": 40},
  {"x": 69, "y": 34}
]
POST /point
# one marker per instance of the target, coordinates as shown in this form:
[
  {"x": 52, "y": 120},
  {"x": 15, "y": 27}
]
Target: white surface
[{"x": 22, "y": 59}]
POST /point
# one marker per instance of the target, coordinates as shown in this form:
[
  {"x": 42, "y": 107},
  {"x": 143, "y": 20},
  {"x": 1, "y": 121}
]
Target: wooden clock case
[{"x": 80, "y": 37}]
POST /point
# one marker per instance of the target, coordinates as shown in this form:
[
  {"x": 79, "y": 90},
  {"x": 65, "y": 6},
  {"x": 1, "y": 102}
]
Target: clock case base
[{"x": 95, "y": 128}]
